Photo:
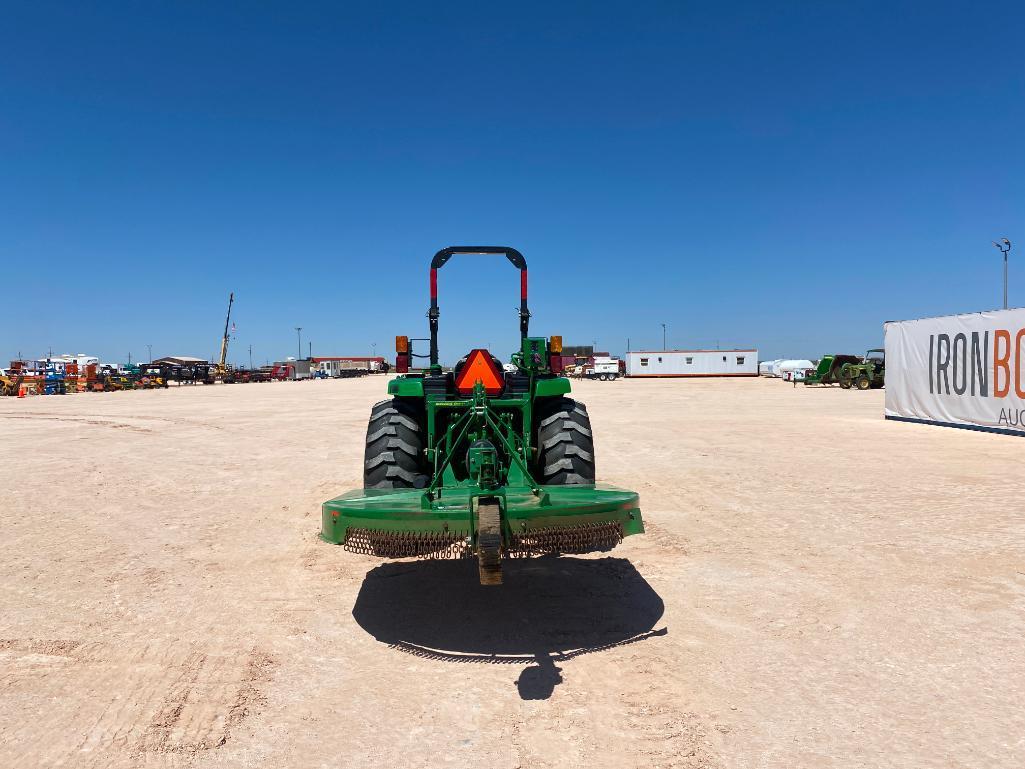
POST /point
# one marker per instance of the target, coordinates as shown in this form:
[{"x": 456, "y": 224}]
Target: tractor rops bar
[{"x": 444, "y": 255}]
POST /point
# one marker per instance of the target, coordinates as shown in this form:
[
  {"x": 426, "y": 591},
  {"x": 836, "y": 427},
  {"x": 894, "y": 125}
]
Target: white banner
[{"x": 958, "y": 370}]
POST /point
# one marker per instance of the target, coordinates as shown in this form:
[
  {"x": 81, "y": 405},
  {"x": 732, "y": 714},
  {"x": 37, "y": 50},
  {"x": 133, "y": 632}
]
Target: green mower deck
[{"x": 567, "y": 519}]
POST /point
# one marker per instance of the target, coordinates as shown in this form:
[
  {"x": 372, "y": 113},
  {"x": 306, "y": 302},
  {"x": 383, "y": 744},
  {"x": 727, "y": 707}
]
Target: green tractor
[
  {"x": 870, "y": 373},
  {"x": 479, "y": 461},
  {"x": 828, "y": 370}
]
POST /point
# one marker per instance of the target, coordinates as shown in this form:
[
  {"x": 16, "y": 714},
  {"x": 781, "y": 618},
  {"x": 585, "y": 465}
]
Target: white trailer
[
  {"x": 336, "y": 367},
  {"x": 691, "y": 363},
  {"x": 81, "y": 359},
  {"x": 793, "y": 369},
  {"x": 605, "y": 369},
  {"x": 341, "y": 366}
]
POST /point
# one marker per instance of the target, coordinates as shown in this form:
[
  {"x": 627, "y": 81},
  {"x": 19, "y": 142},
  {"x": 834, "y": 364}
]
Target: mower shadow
[{"x": 548, "y": 610}]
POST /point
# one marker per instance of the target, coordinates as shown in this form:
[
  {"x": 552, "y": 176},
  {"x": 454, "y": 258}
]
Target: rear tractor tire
[
  {"x": 394, "y": 457},
  {"x": 565, "y": 453}
]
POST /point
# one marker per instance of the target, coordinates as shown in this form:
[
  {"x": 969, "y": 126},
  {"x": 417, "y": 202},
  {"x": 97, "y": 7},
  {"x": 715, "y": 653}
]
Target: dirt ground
[{"x": 816, "y": 588}]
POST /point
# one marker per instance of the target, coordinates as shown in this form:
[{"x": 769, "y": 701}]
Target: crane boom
[{"x": 222, "y": 363}]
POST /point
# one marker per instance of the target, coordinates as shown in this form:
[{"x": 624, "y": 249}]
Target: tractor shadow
[{"x": 548, "y": 610}]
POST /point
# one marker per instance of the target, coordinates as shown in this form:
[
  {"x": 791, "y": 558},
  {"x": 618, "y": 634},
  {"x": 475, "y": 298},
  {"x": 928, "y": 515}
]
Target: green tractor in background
[
  {"x": 828, "y": 370},
  {"x": 478, "y": 461},
  {"x": 870, "y": 373}
]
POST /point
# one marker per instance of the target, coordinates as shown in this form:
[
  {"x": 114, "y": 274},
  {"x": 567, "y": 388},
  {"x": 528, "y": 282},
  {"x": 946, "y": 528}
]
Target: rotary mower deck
[{"x": 480, "y": 462}]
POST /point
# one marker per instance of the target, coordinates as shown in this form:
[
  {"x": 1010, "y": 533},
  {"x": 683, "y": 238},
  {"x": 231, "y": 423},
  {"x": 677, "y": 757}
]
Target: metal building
[{"x": 694, "y": 363}]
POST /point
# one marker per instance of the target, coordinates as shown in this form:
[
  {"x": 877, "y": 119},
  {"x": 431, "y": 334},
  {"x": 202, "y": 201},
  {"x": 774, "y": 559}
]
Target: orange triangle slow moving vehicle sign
[{"x": 479, "y": 366}]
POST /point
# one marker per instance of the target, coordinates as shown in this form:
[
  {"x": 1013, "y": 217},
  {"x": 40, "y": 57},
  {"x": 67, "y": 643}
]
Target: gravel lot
[{"x": 816, "y": 588}]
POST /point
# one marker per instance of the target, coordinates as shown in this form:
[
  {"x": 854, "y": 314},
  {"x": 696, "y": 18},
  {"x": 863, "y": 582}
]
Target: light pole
[
  {"x": 664, "y": 337},
  {"x": 149, "y": 347},
  {"x": 1004, "y": 245},
  {"x": 299, "y": 331},
  {"x": 250, "y": 357},
  {"x": 373, "y": 346}
]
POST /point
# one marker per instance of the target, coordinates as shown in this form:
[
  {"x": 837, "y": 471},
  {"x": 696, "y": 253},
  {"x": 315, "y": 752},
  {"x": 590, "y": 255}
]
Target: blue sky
[{"x": 782, "y": 175}]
